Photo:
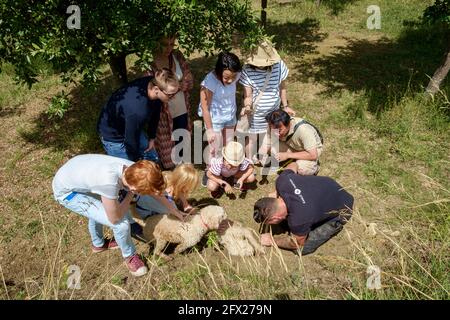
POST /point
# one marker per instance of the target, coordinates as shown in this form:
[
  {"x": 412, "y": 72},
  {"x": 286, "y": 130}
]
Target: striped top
[
  {"x": 217, "y": 167},
  {"x": 270, "y": 100}
]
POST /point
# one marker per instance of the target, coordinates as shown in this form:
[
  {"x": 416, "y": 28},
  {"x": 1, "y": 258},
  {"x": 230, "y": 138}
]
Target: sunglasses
[{"x": 169, "y": 95}]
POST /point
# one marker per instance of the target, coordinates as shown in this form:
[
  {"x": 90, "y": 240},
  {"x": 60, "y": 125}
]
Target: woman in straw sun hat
[
  {"x": 231, "y": 166},
  {"x": 264, "y": 80}
]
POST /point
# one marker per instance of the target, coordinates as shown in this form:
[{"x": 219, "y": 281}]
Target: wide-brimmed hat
[
  {"x": 263, "y": 56},
  {"x": 233, "y": 153}
]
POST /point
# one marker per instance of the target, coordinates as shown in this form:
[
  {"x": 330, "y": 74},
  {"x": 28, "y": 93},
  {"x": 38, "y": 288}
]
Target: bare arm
[
  {"x": 311, "y": 155},
  {"x": 115, "y": 211},
  {"x": 248, "y": 172},
  {"x": 216, "y": 179},
  {"x": 292, "y": 242},
  {"x": 205, "y": 101},
  {"x": 248, "y": 99},
  {"x": 186, "y": 205},
  {"x": 284, "y": 100},
  {"x": 170, "y": 208}
]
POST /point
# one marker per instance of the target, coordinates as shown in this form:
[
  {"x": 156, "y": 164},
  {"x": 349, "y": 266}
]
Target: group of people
[{"x": 135, "y": 128}]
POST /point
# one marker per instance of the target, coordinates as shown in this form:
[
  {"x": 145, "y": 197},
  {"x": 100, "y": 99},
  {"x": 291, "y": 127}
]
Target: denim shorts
[{"x": 219, "y": 126}]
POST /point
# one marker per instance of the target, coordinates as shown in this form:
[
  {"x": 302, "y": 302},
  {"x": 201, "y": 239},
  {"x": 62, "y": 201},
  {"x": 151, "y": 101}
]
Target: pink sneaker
[
  {"x": 110, "y": 244},
  {"x": 136, "y": 265}
]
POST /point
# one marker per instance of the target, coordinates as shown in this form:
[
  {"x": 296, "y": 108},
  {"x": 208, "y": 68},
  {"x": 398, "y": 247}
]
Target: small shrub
[
  {"x": 213, "y": 239},
  {"x": 58, "y": 106}
]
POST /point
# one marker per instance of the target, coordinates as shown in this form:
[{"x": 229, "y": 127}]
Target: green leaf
[{"x": 206, "y": 26}]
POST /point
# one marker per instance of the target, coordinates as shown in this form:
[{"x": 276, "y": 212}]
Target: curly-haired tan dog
[
  {"x": 238, "y": 240},
  {"x": 165, "y": 229}
]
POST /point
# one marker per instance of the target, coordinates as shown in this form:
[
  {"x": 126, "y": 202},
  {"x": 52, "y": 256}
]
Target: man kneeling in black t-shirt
[{"x": 312, "y": 208}]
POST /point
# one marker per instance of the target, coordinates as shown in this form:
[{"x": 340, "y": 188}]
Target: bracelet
[{"x": 284, "y": 107}]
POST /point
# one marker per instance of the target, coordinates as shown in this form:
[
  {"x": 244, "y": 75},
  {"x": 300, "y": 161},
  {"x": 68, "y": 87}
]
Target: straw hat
[
  {"x": 233, "y": 153},
  {"x": 265, "y": 55}
]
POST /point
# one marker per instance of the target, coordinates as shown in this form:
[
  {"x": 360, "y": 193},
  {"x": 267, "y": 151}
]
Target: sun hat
[
  {"x": 233, "y": 153},
  {"x": 265, "y": 55}
]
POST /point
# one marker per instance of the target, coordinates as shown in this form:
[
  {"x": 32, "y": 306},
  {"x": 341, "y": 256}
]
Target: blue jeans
[
  {"x": 91, "y": 207},
  {"x": 147, "y": 206},
  {"x": 117, "y": 149}
]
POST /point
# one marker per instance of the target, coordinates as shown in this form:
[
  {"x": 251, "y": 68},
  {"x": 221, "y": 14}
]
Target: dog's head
[{"x": 213, "y": 216}]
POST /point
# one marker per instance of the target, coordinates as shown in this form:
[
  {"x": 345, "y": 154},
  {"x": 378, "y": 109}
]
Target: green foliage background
[{"x": 31, "y": 30}]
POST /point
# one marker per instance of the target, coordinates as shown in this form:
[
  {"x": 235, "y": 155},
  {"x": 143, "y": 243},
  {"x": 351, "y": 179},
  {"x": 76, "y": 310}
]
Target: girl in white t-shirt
[{"x": 218, "y": 100}]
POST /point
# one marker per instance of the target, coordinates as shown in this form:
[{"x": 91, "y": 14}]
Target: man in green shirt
[{"x": 298, "y": 140}]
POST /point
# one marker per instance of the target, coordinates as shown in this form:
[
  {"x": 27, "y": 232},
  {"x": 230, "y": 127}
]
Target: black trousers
[{"x": 316, "y": 237}]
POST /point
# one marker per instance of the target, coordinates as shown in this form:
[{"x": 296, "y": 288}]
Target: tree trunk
[
  {"x": 439, "y": 75},
  {"x": 317, "y": 2},
  {"x": 263, "y": 13},
  {"x": 119, "y": 69}
]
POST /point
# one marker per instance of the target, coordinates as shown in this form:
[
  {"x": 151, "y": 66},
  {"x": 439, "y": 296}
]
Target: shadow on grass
[
  {"x": 204, "y": 202},
  {"x": 383, "y": 70},
  {"x": 336, "y": 6},
  {"x": 8, "y": 111},
  {"x": 296, "y": 38},
  {"x": 76, "y": 132}
]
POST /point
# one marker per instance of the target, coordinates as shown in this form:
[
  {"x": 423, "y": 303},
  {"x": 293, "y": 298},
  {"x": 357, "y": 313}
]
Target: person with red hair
[{"x": 90, "y": 185}]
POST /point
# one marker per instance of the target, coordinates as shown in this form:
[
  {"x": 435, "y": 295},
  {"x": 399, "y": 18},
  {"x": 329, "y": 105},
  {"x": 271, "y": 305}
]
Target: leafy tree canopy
[
  {"x": 111, "y": 30},
  {"x": 438, "y": 12}
]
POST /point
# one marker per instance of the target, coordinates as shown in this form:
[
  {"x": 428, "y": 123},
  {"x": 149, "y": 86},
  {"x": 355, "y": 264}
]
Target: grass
[{"x": 385, "y": 142}]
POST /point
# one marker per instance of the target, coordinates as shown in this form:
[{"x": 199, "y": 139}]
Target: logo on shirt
[{"x": 297, "y": 191}]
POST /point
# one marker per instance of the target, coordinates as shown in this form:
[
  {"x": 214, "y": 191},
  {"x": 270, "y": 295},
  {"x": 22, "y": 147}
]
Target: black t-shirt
[
  {"x": 127, "y": 113},
  {"x": 311, "y": 200}
]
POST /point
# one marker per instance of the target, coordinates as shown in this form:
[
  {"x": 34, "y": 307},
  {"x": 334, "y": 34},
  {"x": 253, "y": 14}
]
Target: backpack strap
[
  {"x": 261, "y": 92},
  {"x": 298, "y": 124}
]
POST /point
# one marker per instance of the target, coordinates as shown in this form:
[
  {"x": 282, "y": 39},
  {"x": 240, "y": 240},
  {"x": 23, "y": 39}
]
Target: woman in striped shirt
[{"x": 263, "y": 78}]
